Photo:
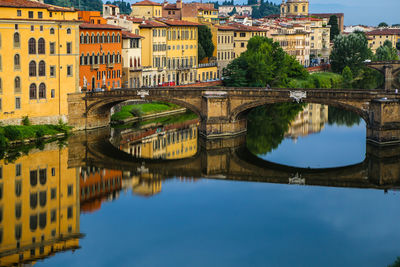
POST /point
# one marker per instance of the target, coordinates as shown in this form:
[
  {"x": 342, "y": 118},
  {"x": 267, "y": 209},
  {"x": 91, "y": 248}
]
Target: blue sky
[{"x": 367, "y": 12}]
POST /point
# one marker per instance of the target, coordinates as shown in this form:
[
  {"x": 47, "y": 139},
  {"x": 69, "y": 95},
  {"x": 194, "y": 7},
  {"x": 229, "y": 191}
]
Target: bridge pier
[
  {"x": 215, "y": 116},
  {"x": 384, "y": 124}
]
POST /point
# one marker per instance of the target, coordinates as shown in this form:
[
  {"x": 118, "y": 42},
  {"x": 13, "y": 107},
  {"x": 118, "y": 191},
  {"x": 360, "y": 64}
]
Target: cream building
[
  {"x": 294, "y": 8},
  {"x": 146, "y": 9},
  {"x": 131, "y": 60},
  {"x": 225, "y": 49}
]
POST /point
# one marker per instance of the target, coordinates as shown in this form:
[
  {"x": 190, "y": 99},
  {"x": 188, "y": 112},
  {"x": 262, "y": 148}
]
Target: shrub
[
  {"x": 40, "y": 133},
  {"x": 136, "y": 112},
  {"x": 26, "y": 121},
  {"x": 12, "y": 133}
]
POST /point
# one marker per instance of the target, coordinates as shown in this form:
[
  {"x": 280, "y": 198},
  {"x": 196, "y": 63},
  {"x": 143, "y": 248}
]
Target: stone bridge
[
  {"x": 228, "y": 159},
  {"x": 390, "y": 71},
  {"x": 222, "y": 111}
]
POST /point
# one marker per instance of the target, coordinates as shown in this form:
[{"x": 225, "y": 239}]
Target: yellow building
[
  {"x": 294, "y": 8},
  {"x": 146, "y": 9},
  {"x": 41, "y": 44},
  {"x": 243, "y": 34},
  {"x": 39, "y": 206},
  {"x": 207, "y": 72},
  {"x": 376, "y": 38},
  {"x": 181, "y": 51}
]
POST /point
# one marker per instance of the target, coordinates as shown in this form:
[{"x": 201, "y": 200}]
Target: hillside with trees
[
  {"x": 265, "y": 9},
  {"x": 124, "y": 7},
  {"x": 90, "y": 5}
]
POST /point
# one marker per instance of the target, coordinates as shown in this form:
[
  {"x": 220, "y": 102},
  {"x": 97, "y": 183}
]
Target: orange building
[{"x": 100, "y": 53}]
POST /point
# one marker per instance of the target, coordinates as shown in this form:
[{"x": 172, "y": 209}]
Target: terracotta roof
[
  {"x": 327, "y": 15},
  {"x": 32, "y": 4},
  {"x": 111, "y": 5},
  {"x": 225, "y": 28},
  {"x": 384, "y": 32},
  {"x": 146, "y": 3},
  {"x": 127, "y": 35},
  {"x": 173, "y": 22},
  {"x": 170, "y": 7},
  {"x": 151, "y": 24},
  {"x": 99, "y": 26},
  {"x": 245, "y": 28},
  {"x": 136, "y": 20}
]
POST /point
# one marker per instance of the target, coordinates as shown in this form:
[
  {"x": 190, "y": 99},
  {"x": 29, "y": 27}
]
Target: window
[
  {"x": 41, "y": 28},
  {"x": 52, "y": 71},
  {"x": 32, "y": 92},
  {"x": 18, "y": 170},
  {"x": 41, "y": 46},
  {"x": 42, "y": 68},
  {"x": 18, "y": 210},
  {"x": 17, "y": 64},
  {"x": 53, "y": 171},
  {"x": 52, "y": 31},
  {"x": 52, "y": 48},
  {"x": 69, "y": 213},
  {"x": 42, "y": 198},
  {"x": 53, "y": 193},
  {"x": 32, "y": 28},
  {"x": 70, "y": 190},
  {"x": 53, "y": 93},
  {"x": 69, "y": 48},
  {"x": 18, "y": 188},
  {"x": 30, "y": 14},
  {"x": 17, "y": 85},
  {"x": 16, "y": 26},
  {"x": 19, "y": 13},
  {"x": 42, "y": 91},
  {"x": 17, "y": 43},
  {"x": 17, "y": 103},
  {"x": 68, "y": 31},
  {"x": 53, "y": 216},
  {"x": 33, "y": 223},
  {"x": 69, "y": 70},
  {"x": 18, "y": 231},
  {"x": 32, "y": 46},
  {"x": 40, "y": 15},
  {"x": 32, "y": 69},
  {"x": 1, "y": 172}
]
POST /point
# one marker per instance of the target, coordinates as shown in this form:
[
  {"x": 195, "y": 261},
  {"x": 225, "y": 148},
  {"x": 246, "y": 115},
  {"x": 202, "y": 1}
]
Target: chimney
[{"x": 179, "y": 4}]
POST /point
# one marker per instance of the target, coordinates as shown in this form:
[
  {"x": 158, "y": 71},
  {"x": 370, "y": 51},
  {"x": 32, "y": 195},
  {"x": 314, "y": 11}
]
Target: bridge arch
[{"x": 241, "y": 110}]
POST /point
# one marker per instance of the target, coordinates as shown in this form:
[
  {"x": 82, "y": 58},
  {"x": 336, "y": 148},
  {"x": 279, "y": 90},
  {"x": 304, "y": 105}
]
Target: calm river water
[{"x": 302, "y": 188}]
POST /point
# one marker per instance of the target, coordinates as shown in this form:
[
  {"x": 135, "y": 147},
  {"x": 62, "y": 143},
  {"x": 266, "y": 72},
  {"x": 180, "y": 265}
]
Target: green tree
[
  {"x": 382, "y": 24},
  {"x": 347, "y": 77},
  {"x": 124, "y": 7},
  {"x": 398, "y": 44},
  {"x": 351, "y": 50},
  {"x": 341, "y": 116},
  {"x": 91, "y": 5},
  {"x": 263, "y": 63},
  {"x": 233, "y": 12},
  {"x": 386, "y": 52},
  {"x": 205, "y": 45},
  {"x": 334, "y": 27},
  {"x": 265, "y": 9}
]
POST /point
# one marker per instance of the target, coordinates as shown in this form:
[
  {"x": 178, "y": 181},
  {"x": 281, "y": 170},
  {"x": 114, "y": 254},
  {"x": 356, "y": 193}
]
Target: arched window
[
  {"x": 92, "y": 39},
  {"x": 102, "y": 58},
  {"x": 32, "y": 95},
  {"x": 17, "y": 85},
  {"x": 118, "y": 58},
  {"x": 32, "y": 69},
  {"x": 98, "y": 38},
  {"x": 1, "y": 86},
  {"x": 68, "y": 31},
  {"x": 135, "y": 62},
  {"x": 82, "y": 38},
  {"x": 41, "y": 46},
  {"x": 52, "y": 31},
  {"x": 18, "y": 188},
  {"x": 17, "y": 42},
  {"x": 87, "y": 59},
  {"x": 112, "y": 58},
  {"x": 18, "y": 210},
  {"x": 118, "y": 38},
  {"x": 18, "y": 231},
  {"x": 130, "y": 62},
  {"x": 42, "y": 220},
  {"x": 87, "y": 39},
  {"x": 42, "y": 198},
  {"x": 102, "y": 38},
  {"x": 42, "y": 95},
  {"x": 90, "y": 60},
  {"x": 42, "y": 68},
  {"x": 108, "y": 38},
  {"x": 17, "y": 62},
  {"x": 33, "y": 222},
  {"x": 113, "y": 38},
  {"x": 97, "y": 59},
  {"x": 93, "y": 58},
  {"x": 82, "y": 60},
  {"x": 33, "y": 200},
  {"x": 32, "y": 46},
  {"x": 108, "y": 58}
]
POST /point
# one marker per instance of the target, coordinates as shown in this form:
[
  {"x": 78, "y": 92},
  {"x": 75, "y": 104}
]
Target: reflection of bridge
[
  {"x": 222, "y": 111},
  {"x": 228, "y": 159}
]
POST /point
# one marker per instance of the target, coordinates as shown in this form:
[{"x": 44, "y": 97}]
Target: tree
[
  {"x": 351, "y": 50},
  {"x": 347, "y": 77},
  {"x": 124, "y": 7},
  {"x": 398, "y": 45},
  {"x": 265, "y": 9},
  {"x": 383, "y": 24},
  {"x": 251, "y": 2},
  {"x": 91, "y": 5},
  {"x": 263, "y": 63},
  {"x": 205, "y": 42},
  {"x": 233, "y": 12},
  {"x": 334, "y": 27},
  {"x": 386, "y": 52}
]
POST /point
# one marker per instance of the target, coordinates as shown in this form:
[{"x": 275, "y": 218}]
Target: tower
[{"x": 294, "y": 8}]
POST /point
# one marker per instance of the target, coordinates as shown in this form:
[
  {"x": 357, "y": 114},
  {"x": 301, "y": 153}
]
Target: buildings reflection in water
[
  {"x": 39, "y": 206},
  {"x": 173, "y": 141},
  {"x": 311, "y": 120}
]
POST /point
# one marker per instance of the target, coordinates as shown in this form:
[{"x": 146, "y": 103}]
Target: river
[{"x": 301, "y": 188}]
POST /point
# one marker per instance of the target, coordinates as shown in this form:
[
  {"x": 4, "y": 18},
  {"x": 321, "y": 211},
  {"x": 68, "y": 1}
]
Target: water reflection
[{"x": 39, "y": 206}]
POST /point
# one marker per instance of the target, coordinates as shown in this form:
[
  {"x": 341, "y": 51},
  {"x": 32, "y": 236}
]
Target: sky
[{"x": 365, "y": 12}]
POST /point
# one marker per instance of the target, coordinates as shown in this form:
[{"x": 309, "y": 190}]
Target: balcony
[
  {"x": 133, "y": 69},
  {"x": 207, "y": 65},
  {"x": 94, "y": 67},
  {"x": 110, "y": 65}
]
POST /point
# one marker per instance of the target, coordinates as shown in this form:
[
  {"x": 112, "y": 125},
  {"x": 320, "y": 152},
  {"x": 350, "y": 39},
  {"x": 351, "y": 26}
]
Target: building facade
[
  {"x": 294, "y": 8},
  {"x": 146, "y": 9},
  {"x": 40, "y": 42},
  {"x": 377, "y": 37},
  {"x": 225, "y": 49},
  {"x": 131, "y": 60}
]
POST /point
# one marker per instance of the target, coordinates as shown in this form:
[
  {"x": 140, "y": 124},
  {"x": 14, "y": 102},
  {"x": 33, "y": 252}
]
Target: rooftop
[
  {"x": 32, "y": 4},
  {"x": 129, "y": 35},
  {"x": 146, "y": 3},
  {"x": 384, "y": 31},
  {"x": 172, "y": 22},
  {"x": 99, "y": 26}
]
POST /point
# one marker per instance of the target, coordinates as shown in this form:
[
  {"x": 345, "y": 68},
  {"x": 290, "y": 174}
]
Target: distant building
[
  {"x": 377, "y": 37},
  {"x": 240, "y": 9},
  {"x": 297, "y": 8},
  {"x": 146, "y": 9}
]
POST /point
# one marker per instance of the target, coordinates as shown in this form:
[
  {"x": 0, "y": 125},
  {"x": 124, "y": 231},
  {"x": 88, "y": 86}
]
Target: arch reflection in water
[
  {"x": 171, "y": 141},
  {"x": 306, "y": 135},
  {"x": 39, "y": 218}
]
